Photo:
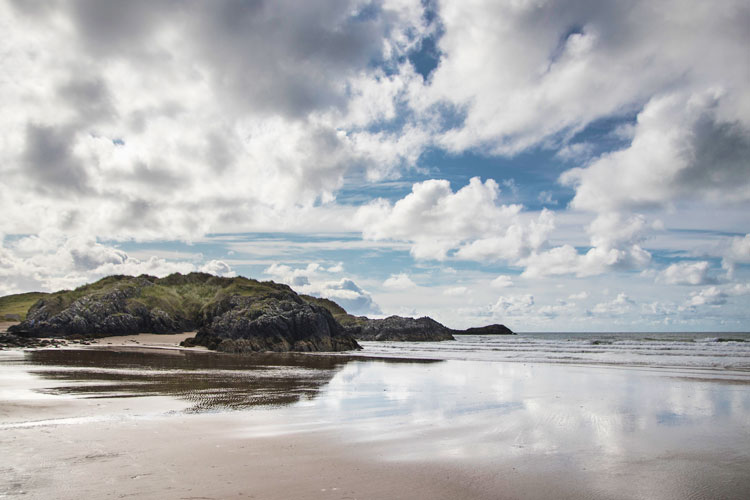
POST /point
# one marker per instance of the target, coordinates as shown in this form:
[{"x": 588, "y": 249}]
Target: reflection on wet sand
[
  {"x": 208, "y": 381},
  {"x": 478, "y": 427}
]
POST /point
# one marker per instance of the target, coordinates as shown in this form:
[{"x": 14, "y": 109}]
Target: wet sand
[
  {"x": 118, "y": 422},
  {"x": 200, "y": 457}
]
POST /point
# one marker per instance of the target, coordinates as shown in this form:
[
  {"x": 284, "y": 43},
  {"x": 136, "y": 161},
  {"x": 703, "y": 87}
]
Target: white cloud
[
  {"x": 456, "y": 291},
  {"x": 579, "y": 296},
  {"x": 399, "y": 282},
  {"x": 560, "y": 308},
  {"x": 684, "y": 147},
  {"x": 615, "y": 244},
  {"x": 502, "y": 281},
  {"x": 437, "y": 221},
  {"x": 294, "y": 277},
  {"x": 527, "y": 72},
  {"x": 715, "y": 295},
  {"x": 218, "y": 268},
  {"x": 150, "y": 122},
  {"x": 513, "y": 305},
  {"x": 712, "y": 296},
  {"x": 517, "y": 241},
  {"x": 620, "y": 305},
  {"x": 316, "y": 280},
  {"x": 738, "y": 253},
  {"x": 337, "y": 268},
  {"x": 687, "y": 273},
  {"x": 52, "y": 261},
  {"x": 348, "y": 295}
]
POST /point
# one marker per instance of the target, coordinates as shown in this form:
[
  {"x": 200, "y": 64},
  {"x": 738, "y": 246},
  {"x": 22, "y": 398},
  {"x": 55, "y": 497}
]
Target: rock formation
[
  {"x": 486, "y": 330},
  {"x": 401, "y": 329},
  {"x": 242, "y": 324},
  {"x": 232, "y": 314}
]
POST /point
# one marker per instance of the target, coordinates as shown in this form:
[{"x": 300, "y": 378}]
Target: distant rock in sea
[
  {"x": 486, "y": 330},
  {"x": 400, "y": 329}
]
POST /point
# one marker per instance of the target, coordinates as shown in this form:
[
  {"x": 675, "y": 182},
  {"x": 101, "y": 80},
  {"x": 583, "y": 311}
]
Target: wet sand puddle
[{"x": 207, "y": 381}]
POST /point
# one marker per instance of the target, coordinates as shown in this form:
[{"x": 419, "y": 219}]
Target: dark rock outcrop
[
  {"x": 486, "y": 330},
  {"x": 401, "y": 329},
  {"x": 100, "y": 314},
  {"x": 232, "y": 314},
  {"x": 8, "y": 340},
  {"x": 242, "y": 324}
]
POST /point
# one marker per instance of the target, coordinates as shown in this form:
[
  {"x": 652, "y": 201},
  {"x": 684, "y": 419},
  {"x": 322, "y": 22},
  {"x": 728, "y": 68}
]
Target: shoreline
[{"x": 153, "y": 341}]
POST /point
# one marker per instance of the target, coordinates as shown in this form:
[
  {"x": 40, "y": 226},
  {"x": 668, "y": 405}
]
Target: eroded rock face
[
  {"x": 246, "y": 324},
  {"x": 109, "y": 313},
  {"x": 401, "y": 329}
]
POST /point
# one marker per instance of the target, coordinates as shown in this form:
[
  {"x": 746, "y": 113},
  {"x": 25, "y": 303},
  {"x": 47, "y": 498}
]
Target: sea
[{"x": 716, "y": 351}]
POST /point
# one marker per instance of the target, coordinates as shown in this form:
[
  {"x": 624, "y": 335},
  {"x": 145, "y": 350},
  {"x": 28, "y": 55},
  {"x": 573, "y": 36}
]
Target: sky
[{"x": 569, "y": 165}]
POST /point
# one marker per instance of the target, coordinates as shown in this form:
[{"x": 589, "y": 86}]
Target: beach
[{"x": 151, "y": 420}]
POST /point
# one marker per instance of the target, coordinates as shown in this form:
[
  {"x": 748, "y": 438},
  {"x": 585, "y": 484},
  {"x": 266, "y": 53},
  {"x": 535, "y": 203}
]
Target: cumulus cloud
[
  {"x": 52, "y": 261},
  {"x": 513, "y": 305},
  {"x": 348, "y": 295},
  {"x": 716, "y": 295},
  {"x": 737, "y": 253},
  {"x": 535, "y": 66},
  {"x": 217, "y": 268},
  {"x": 687, "y": 273},
  {"x": 502, "y": 281},
  {"x": 619, "y": 305},
  {"x": 615, "y": 244},
  {"x": 152, "y": 122},
  {"x": 294, "y": 277},
  {"x": 319, "y": 281},
  {"x": 440, "y": 223},
  {"x": 682, "y": 148},
  {"x": 399, "y": 282},
  {"x": 712, "y": 296}
]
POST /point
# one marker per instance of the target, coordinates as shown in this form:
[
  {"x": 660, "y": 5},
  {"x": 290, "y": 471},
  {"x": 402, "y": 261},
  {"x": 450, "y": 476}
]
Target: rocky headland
[{"x": 229, "y": 314}]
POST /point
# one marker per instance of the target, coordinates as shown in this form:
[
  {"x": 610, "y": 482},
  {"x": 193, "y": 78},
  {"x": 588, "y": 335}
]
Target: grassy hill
[
  {"x": 17, "y": 305},
  {"x": 190, "y": 296}
]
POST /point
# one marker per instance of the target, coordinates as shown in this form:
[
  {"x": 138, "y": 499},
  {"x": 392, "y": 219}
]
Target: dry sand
[{"x": 146, "y": 340}]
